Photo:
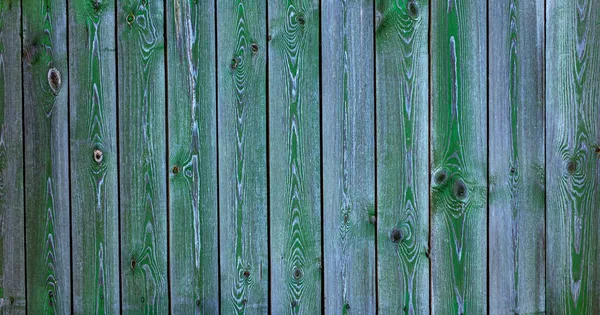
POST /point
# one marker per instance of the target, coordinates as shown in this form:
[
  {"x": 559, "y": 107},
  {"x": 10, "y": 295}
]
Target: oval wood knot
[
  {"x": 54, "y": 80},
  {"x": 98, "y": 155}
]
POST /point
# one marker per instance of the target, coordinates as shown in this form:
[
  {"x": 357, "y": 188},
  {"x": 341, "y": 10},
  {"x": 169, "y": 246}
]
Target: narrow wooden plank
[
  {"x": 241, "y": 67},
  {"x": 516, "y": 146},
  {"x": 93, "y": 139},
  {"x": 48, "y": 223},
  {"x": 402, "y": 156},
  {"x": 348, "y": 157},
  {"x": 458, "y": 157},
  {"x": 142, "y": 156},
  {"x": 573, "y": 157},
  {"x": 193, "y": 157},
  {"x": 12, "y": 233}
]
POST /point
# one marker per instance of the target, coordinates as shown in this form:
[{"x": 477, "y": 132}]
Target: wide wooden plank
[
  {"x": 348, "y": 157},
  {"x": 241, "y": 68},
  {"x": 402, "y": 156},
  {"x": 142, "y": 156},
  {"x": 12, "y": 234},
  {"x": 458, "y": 157},
  {"x": 192, "y": 93},
  {"x": 48, "y": 223},
  {"x": 516, "y": 146},
  {"x": 294, "y": 152},
  {"x": 573, "y": 157}
]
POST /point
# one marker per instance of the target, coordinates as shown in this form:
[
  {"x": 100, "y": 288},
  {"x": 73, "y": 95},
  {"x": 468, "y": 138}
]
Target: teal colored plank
[
  {"x": 241, "y": 67},
  {"x": 348, "y": 157},
  {"x": 48, "y": 224},
  {"x": 194, "y": 252},
  {"x": 573, "y": 157},
  {"x": 142, "y": 156},
  {"x": 458, "y": 157},
  {"x": 402, "y": 156}
]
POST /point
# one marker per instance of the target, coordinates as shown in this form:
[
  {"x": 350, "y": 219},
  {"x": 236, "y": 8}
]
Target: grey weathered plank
[
  {"x": 294, "y": 151},
  {"x": 458, "y": 157},
  {"x": 241, "y": 67},
  {"x": 142, "y": 156},
  {"x": 12, "y": 234},
  {"x": 194, "y": 267},
  {"x": 516, "y": 146},
  {"x": 45, "y": 82},
  {"x": 573, "y": 157},
  {"x": 402, "y": 156},
  {"x": 348, "y": 157}
]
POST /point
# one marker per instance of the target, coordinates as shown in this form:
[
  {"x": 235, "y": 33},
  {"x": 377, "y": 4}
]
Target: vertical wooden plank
[
  {"x": 573, "y": 157},
  {"x": 142, "y": 156},
  {"x": 294, "y": 151},
  {"x": 402, "y": 156},
  {"x": 516, "y": 183},
  {"x": 458, "y": 157},
  {"x": 348, "y": 157},
  {"x": 12, "y": 253},
  {"x": 241, "y": 67},
  {"x": 45, "y": 90},
  {"x": 193, "y": 157}
]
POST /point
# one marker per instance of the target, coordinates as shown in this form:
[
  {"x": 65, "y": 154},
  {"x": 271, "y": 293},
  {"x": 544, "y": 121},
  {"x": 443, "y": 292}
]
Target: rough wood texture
[
  {"x": 516, "y": 146},
  {"x": 458, "y": 157},
  {"x": 402, "y": 156},
  {"x": 573, "y": 157},
  {"x": 93, "y": 139},
  {"x": 45, "y": 90},
  {"x": 241, "y": 42},
  {"x": 192, "y": 157},
  {"x": 294, "y": 150},
  {"x": 348, "y": 157},
  {"x": 12, "y": 234},
  {"x": 142, "y": 156}
]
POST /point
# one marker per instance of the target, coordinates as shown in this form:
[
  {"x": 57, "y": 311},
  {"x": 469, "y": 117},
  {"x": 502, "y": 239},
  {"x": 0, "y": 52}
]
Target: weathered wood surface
[
  {"x": 516, "y": 157},
  {"x": 142, "y": 156},
  {"x": 573, "y": 157},
  {"x": 93, "y": 145},
  {"x": 294, "y": 151},
  {"x": 348, "y": 157},
  {"x": 402, "y": 156},
  {"x": 12, "y": 233},
  {"x": 458, "y": 157},
  {"x": 194, "y": 267},
  {"x": 242, "y": 142},
  {"x": 45, "y": 90}
]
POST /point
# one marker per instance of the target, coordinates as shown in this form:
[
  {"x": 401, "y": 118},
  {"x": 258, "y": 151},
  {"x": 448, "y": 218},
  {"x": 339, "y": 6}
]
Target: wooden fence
[{"x": 300, "y": 156}]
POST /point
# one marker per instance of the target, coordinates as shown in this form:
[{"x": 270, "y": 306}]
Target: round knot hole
[
  {"x": 98, "y": 155},
  {"x": 175, "y": 170},
  {"x": 460, "y": 190},
  {"x": 571, "y": 167},
  {"x": 300, "y": 19},
  {"x": 246, "y": 273},
  {"x": 396, "y": 235},
  {"x": 413, "y": 9},
  {"x": 297, "y": 273},
  {"x": 130, "y": 18},
  {"x": 440, "y": 177}
]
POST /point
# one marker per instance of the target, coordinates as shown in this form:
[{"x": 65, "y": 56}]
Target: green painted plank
[
  {"x": 12, "y": 233},
  {"x": 348, "y": 157},
  {"x": 573, "y": 157},
  {"x": 142, "y": 156},
  {"x": 194, "y": 252},
  {"x": 241, "y": 68},
  {"x": 516, "y": 145},
  {"x": 402, "y": 156},
  {"x": 294, "y": 151},
  {"x": 458, "y": 157},
  {"x": 45, "y": 82}
]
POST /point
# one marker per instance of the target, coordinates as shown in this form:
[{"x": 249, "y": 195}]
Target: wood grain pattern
[
  {"x": 12, "y": 233},
  {"x": 348, "y": 157},
  {"x": 192, "y": 157},
  {"x": 241, "y": 42},
  {"x": 573, "y": 157},
  {"x": 142, "y": 156},
  {"x": 45, "y": 91},
  {"x": 294, "y": 136},
  {"x": 516, "y": 146},
  {"x": 458, "y": 157},
  {"x": 94, "y": 191},
  {"x": 402, "y": 156}
]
